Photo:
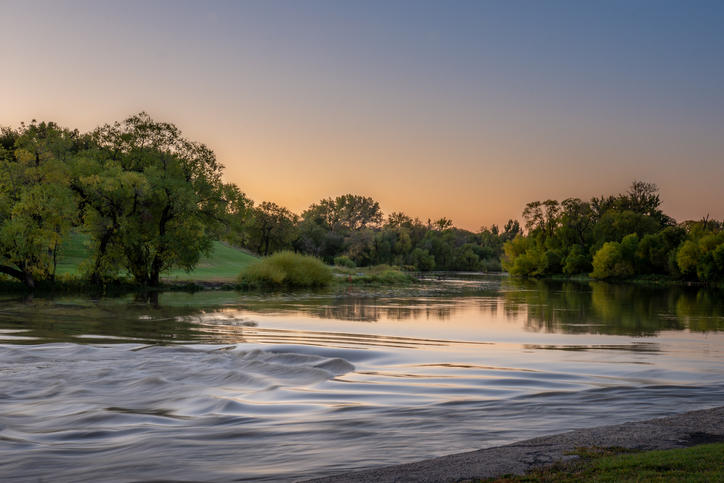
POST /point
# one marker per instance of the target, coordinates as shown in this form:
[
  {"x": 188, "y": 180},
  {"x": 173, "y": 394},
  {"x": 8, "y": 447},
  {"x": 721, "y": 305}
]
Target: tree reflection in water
[{"x": 543, "y": 306}]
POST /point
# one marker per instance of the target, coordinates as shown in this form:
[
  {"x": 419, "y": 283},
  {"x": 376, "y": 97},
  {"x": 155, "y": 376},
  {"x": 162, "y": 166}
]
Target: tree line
[
  {"x": 615, "y": 237},
  {"x": 351, "y": 230},
  {"x": 150, "y": 200}
]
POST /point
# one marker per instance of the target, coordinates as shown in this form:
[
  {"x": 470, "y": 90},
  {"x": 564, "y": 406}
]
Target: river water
[{"x": 224, "y": 386}]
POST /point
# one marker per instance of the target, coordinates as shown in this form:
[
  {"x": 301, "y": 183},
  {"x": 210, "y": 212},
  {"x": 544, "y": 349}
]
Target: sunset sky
[{"x": 450, "y": 108}]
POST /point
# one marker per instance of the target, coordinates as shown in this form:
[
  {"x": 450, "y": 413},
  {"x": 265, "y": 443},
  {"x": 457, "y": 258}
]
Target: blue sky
[{"x": 458, "y": 109}]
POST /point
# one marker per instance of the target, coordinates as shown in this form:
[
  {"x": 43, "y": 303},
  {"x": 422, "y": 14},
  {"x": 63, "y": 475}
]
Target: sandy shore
[{"x": 695, "y": 427}]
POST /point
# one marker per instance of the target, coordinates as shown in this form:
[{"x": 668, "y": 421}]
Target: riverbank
[
  {"x": 678, "y": 431},
  {"x": 362, "y": 281},
  {"x": 643, "y": 280}
]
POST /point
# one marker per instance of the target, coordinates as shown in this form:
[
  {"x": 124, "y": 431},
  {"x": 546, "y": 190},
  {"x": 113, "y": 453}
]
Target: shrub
[
  {"x": 687, "y": 257},
  {"x": 466, "y": 258},
  {"x": 552, "y": 262},
  {"x": 525, "y": 264},
  {"x": 422, "y": 259},
  {"x": 286, "y": 269},
  {"x": 611, "y": 261},
  {"x": 384, "y": 274},
  {"x": 654, "y": 252},
  {"x": 490, "y": 265},
  {"x": 525, "y": 258},
  {"x": 703, "y": 258},
  {"x": 344, "y": 261},
  {"x": 577, "y": 261},
  {"x": 710, "y": 267}
]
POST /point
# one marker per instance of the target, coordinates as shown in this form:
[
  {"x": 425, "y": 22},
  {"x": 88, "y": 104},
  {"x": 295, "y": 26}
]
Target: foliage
[
  {"x": 614, "y": 259},
  {"x": 348, "y": 212},
  {"x": 702, "y": 256},
  {"x": 350, "y": 225},
  {"x": 378, "y": 275},
  {"x": 286, "y": 270},
  {"x": 422, "y": 260},
  {"x": 147, "y": 202},
  {"x": 618, "y": 236},
  {"x": 577, "y": 261},
  {"x": 655, "y": 250},
  {"x": 270, "y": 228},
  {"x": 37, "y": 207},
  {"x": 152, "y": 200},
  {"x": 344, "y": 261}
]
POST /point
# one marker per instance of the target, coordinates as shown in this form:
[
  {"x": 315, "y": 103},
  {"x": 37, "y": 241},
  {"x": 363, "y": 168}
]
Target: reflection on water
[
  {"x": 546, "y": 306},
  {"x": 599, "y": 307},
  {"x": 232, "y": 386}
]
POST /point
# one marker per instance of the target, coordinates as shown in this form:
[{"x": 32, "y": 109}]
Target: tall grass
[
  {"x": 286, "y": 270},
  {"x": 375, "y": 275}
]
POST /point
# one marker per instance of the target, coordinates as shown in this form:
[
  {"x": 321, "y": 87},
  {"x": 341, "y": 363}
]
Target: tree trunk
[
  {"x": 95, "y": 277},
  {"x": 55, "y": 261},
  {"x": 266, "y": 245},
  {"x": 156, "y": 263},
  {"x": 24, "y": 277},
  {"x": 155, "y": 278}
]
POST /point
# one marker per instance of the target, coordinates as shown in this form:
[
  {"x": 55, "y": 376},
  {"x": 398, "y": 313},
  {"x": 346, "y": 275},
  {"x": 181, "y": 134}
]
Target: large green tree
[
  {"x": 37, "y": 207},
  {"x": 152, "y": 199}
]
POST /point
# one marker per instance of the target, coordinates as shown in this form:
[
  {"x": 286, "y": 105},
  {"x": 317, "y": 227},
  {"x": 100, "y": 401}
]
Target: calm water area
[{"x": 226, "y": 386}]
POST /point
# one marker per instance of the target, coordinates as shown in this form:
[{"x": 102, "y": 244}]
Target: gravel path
[{"x": 695, "y": 427}]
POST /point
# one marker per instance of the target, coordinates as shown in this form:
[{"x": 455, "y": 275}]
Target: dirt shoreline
[{"x": 681, "y": 430}]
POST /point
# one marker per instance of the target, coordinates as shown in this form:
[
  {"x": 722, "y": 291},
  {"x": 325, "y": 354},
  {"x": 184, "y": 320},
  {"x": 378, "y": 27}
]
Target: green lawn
[
  {"x": 702, "y": 463},
  {"x": 71, "y": 254},
  {"x": 223, "y": 263}
]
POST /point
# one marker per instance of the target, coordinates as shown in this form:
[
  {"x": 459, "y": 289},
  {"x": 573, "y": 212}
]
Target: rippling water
[{"x": 220, "y": 386}]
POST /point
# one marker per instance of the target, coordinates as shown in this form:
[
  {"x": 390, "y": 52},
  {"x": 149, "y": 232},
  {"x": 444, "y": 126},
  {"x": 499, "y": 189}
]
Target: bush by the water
[
  {"x": 377, "y": 274},
  {"x": 286, "y": 269},
  {"x": 344, "y": 261},
  {"x": 388, "y": 276}
]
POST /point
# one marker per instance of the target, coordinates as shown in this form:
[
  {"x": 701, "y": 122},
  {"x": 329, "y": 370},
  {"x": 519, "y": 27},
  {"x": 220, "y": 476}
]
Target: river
[{"x": 226, "y": 386}]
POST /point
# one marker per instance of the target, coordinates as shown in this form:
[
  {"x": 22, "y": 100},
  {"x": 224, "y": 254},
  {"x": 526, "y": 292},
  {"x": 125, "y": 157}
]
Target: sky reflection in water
[{"x": 279, "y": 387}]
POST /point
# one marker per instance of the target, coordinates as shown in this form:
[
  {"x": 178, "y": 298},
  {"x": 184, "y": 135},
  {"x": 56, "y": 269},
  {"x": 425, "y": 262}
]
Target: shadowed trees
[
  {"x": 270, "y": 228},
  {"x": 350, "y": 228},
  {"x": 614, "y": 237}
]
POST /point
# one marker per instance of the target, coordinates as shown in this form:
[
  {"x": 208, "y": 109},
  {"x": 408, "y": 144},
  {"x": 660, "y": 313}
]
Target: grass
[
  {"x": 375, "y": 275},
  {"x": 701, "y": 463},
  {"x": 224, "y": 264},
  {"x": 286, "y": 270},
  {"x": 221, "y": 265},
  {"x": 72, "y": 253}
]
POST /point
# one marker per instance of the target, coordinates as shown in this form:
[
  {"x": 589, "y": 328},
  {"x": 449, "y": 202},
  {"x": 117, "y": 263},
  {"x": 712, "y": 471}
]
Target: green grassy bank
[
  {"x": 703, "y": 463},
  {"x": 223, "y": 263}
]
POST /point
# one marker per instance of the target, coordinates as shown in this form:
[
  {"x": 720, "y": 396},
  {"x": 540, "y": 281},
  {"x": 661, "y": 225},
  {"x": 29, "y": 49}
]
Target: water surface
[{"x": 222, "y": 386}]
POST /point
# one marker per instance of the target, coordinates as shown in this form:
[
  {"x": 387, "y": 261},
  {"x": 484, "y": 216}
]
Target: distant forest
[{"x": 149, "y": 200}]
